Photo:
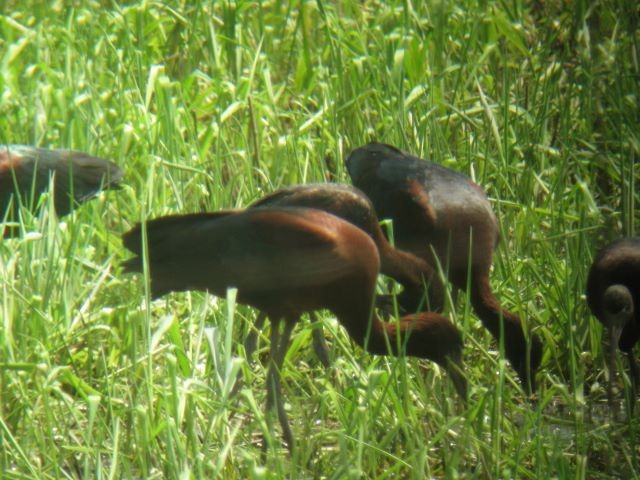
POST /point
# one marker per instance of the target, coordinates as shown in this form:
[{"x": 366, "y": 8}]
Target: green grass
[{"x": 209, "y": 105}]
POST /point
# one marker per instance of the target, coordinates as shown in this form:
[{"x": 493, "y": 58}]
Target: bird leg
[
  {"x": 251, "y": 342},
  {"x": 320, "y": 344},
  {"x": 279, "y": 346},
  {"x": 250, "y": 345},
  {"x": 317, "y": 336},
  {"x": 613, "y": 336}
]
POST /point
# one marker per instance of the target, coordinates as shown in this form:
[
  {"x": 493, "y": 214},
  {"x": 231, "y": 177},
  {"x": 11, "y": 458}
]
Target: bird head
[{"x": 435, "y": 338}]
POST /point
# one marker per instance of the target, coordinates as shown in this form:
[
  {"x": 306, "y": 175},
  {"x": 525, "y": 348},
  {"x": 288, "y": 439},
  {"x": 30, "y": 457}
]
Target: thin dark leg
[
  {"x": 320, "y": 344},
  {"x": 279, "y": 346},
  {"x": 251, "y": 342},
  {"x": 317, "y": 336}
]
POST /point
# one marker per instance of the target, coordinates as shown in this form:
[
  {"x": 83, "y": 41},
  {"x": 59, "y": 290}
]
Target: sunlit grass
[{"x": 209, "y": 105}]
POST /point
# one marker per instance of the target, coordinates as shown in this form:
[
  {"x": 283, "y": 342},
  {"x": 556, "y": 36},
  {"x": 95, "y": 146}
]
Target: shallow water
[{"x": 562, "y": 420}]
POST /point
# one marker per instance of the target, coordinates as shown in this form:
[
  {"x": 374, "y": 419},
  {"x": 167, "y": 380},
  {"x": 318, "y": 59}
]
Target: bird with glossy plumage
[
  {"x": 613, "y": 291},
  {"x": 352, "y": 205},
  {"x": 443, "y": 217},
  {"x": 26, "y": 172},
  {"x": 285, "y": 262}
]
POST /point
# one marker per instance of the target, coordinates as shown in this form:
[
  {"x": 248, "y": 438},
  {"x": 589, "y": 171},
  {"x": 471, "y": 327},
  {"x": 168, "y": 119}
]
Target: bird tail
[{"x": 158, "y": 232}]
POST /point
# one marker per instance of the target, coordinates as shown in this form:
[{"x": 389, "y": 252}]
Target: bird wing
[
  {"x": 274, "y": 198},
  {"x": 344, "y": 201}
]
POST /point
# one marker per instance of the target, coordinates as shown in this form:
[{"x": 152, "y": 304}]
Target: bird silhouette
[
  {"x": 613, "y": 291},
  {"x": 284, "y": 262},
  {"x": 446, "y": 219},
  {"x": 26, "y": 172}
]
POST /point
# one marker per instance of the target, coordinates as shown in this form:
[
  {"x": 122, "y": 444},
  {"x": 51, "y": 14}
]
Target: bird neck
[
  {"x": 388, "y": 338},
  {"x": 525, "y": 356},
  {"x": 490, "y": 311},
  {"x": 413, "y": 273},
  {"x": 421, "y": 335},
  {"x": 404, "y": 267}
]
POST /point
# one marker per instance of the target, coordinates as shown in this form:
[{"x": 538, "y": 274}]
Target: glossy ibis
[
  {"x": 613, "y": 290},
  {"x": 352, "y": 205},
  {"x": 445, "y": 218},
  {"x": 284, "y": 262},
  {"x": 26, "y": 172}
]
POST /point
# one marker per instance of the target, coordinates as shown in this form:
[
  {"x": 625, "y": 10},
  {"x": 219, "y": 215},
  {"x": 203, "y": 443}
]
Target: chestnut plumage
[
  {"x": 352, "y": 205},
  {"x": 446, "y": 219},
  {"x": 613, "y": 291},
  {"x": 284, "y": 262}
]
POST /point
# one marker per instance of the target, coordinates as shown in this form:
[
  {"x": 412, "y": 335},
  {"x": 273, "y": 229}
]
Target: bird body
[
  {"x": 431, "y": 207},
  {"x": 613, "y": 295},
  {"x": 287, "y": 261},
  {"x": 352, "y": 205},
  {"x": 266, "y": 251},
  {"x": 446, "y": 219},
  {"x": 27, "y": 171}
]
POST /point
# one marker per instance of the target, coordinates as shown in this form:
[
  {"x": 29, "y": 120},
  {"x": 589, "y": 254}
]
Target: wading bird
[
  {"x": 445, "y": 218},
  {"x": 352, "y": 205},
  {"x": 285, "y": 262},
  {"x": 26, "y": 172},
  {"x": 613, "y": 290}
]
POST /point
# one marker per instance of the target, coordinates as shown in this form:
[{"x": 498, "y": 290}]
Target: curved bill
[
  {"x": 455, "y": 369},
  {"x": 614, "y": 332}
]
